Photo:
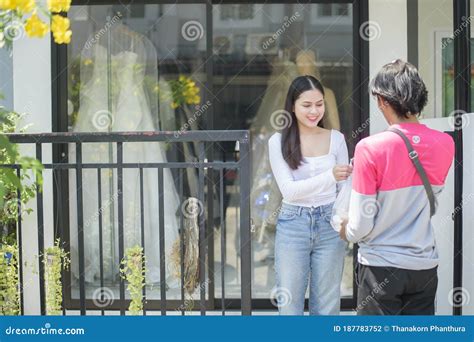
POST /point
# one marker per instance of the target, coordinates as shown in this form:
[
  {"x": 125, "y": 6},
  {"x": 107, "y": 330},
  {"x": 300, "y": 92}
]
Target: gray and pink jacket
[{"x": 389, "y": 214}]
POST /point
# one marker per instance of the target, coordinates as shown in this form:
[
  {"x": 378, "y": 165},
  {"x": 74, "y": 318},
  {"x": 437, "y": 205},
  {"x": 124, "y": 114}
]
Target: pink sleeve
[{"x": 364, "y": 179}]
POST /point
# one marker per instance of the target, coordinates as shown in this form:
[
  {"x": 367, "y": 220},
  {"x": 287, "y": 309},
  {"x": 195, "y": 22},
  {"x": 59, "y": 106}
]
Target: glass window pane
[
  {"x": 132, "y": 68},
  {"x": 435, "y": 63},
  {"x": 255, "y": 59}
]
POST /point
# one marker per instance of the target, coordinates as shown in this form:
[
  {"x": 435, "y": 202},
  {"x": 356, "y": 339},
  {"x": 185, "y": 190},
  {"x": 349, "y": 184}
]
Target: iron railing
[{"x": 208, "y": 171}]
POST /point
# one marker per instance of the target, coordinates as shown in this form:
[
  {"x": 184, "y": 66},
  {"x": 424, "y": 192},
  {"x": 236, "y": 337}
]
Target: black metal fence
[{"x": 209, "y": 172}]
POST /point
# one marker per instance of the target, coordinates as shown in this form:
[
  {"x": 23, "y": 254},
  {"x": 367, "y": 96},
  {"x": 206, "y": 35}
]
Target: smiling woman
[{"x": 308, "y": 161}]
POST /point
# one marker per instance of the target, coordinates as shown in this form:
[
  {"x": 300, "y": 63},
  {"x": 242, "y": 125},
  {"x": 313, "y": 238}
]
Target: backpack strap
[{"x": 421, "y": 171}]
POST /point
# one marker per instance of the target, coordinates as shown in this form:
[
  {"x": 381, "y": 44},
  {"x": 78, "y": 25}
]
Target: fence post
[{"x": 245, "y": 237}]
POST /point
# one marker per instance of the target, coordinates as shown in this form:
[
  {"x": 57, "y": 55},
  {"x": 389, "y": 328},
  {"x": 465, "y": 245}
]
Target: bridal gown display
[
  {"x": 114, "y": 99},
  {"x": 265, "y": 195}
]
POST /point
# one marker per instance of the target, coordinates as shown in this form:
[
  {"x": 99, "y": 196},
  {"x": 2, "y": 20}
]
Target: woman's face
[{"x": 309, "y": 108}]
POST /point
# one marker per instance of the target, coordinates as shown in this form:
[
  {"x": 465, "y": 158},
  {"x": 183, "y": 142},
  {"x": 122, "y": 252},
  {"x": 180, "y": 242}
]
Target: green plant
[
  {"x": 183, "y": 91},
  {"x": 55, "y": 259},
  {"x": 10, "y": 183},
  {"x": 133, "y": 270},
  {"x": 9, "y": 285}
]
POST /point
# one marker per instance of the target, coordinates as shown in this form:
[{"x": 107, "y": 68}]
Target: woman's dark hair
[
  {"x": 400, "y": 84},
  {"x": 290, "y": 139}
]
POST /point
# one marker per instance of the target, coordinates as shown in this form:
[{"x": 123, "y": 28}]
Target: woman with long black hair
[{"x": 308, "y": 161}]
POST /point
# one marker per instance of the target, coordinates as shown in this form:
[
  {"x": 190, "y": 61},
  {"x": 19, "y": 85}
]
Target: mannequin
[
  {"x": 114, "y": 98},
  {"x": 283, "y": 72}
]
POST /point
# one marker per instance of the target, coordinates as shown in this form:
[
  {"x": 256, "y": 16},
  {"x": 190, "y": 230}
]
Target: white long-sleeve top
[{"x": 312, "y": 184}]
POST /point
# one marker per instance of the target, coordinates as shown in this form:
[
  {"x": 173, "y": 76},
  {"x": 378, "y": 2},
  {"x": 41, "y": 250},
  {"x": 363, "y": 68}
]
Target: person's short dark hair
[{"x": 400, "y": 84}]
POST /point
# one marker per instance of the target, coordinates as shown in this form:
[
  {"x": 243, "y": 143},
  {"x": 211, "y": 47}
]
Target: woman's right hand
[{"x": 342, "y": 172}]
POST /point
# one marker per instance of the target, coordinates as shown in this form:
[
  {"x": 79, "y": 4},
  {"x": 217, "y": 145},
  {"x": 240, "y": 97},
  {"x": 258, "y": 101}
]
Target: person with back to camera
[{"x": 397, "y": 176}]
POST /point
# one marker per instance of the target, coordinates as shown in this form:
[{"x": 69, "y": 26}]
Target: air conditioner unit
[
  {"x": 262, "y": 43},
  {"x": 223, "y": 45}
]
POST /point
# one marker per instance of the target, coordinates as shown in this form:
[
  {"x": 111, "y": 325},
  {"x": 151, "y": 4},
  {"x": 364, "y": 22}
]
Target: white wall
[
  {"x": 32, "y": 95},
  {"x": 6, "y": 79},
  {"x": 468, "y": 212},
  {"x": 389, "y": 17},
  {"x": 444, "y": 225},
  {"x": 444, "y": 231}
]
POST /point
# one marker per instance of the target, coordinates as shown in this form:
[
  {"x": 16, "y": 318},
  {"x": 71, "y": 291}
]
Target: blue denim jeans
[{"x": 307, "y": 249}]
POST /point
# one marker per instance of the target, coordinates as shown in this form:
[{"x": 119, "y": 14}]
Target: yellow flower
[
  {"x": 34, "y": 27},
  {"x": 60, "y": 29},
  {"x": 7, "y": 4},
  {"x": 25, "y": 6},
  {"x": 88, "y": 61},
  {"x": 59, "y": 5},
  {"x": 174, "y": 105}
]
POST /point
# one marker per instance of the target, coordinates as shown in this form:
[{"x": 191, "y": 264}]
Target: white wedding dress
[{"x": 130, "y": 112}]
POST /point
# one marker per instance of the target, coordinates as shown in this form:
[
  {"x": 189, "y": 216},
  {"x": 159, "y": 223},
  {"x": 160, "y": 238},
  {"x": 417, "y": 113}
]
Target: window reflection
[{"x": 253, "y": 68}]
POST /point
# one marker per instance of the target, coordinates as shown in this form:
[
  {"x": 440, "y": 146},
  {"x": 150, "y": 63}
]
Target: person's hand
[
  {"x": 342, "y": 232},
  {"x": 342, "y": 172}
]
